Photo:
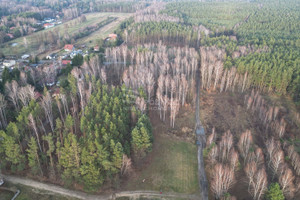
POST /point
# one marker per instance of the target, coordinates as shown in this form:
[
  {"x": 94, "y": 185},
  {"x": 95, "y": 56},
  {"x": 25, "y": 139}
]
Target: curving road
[
  {"x": 81, "y": 195},
  {"x": 201, "y": 140}
]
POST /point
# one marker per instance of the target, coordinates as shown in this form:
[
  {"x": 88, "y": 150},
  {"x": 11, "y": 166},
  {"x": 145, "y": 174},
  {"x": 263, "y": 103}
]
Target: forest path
[
  {"x": 81, "y": 195},
  {"x": 201, "y": 140}
]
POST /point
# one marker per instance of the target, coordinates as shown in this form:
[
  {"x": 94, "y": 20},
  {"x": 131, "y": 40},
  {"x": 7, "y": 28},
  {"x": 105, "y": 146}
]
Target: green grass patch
[{"x": 172, "y": 168}]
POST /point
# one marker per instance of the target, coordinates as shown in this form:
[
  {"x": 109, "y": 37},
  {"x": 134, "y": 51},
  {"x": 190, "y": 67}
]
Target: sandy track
[{"x": 81, "y": 195}]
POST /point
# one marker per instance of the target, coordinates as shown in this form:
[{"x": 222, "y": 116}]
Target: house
[
  {"x": 66, "y": 62},
  {"x": 51, "y": 56},
  {"x": 75, "y": 53},
  {"x": 11, "y": 36},
  {"x": 69, "y": 47},
  {"x": 48, "y": 25},
  {"x": 49, "y": 20},
  {"x": 25, "y": 56},
  {"x": 96, "y": 48},
  {"x": 9, "y": 63},
  {"x": 113, "y": 36}
]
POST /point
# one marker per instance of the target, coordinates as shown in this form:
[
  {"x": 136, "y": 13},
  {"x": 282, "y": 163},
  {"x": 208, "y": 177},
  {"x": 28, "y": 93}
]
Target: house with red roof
[
  {"x": 11, "y": 36},
  {"x": 69, "y": 47},
  {"x": 48, "y": 25},
  {"x": 113, "y": 36},
  {"x": 65, "y": 62}
]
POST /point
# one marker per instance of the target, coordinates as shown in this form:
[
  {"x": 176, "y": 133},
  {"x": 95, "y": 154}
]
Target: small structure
[
  {"x": 96, "y": 48},
  {"x": 11, "y": 36},
  {"x": 113, "y": 36},
  {"x": 49, "y": 20},
  {"x": 9, "y": 63},
  {"x": 66, "y": 62},
  {"x": 25, "y": 56},
  {"x": 51, "y": 56},
  {"x": 48, "y": 25},
  {"x": 69, "y": 47}
]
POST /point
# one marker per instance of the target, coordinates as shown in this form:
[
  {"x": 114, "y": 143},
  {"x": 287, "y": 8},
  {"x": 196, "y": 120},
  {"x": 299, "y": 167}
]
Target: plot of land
[
  {"x": 69, "y": 27},
  {"x": 172, "y": 165},
  {"x": 104, "y": 31}
]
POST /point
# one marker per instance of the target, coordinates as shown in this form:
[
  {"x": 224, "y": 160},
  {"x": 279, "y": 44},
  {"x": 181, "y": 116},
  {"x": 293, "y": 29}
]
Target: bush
[{"x": 274, "y": 192}]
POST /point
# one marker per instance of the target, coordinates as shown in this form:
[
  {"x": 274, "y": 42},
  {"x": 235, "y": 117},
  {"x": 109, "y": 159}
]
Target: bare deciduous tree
[
  {"x": 222, "y": 180},
  {"x": 12, "y": 90},
  {"x": 47, "y": 106}
]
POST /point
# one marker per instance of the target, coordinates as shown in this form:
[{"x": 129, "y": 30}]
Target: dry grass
[{"x": 171, "y": 166}]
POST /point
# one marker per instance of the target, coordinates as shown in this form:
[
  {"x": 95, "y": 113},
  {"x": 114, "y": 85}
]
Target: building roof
[
  {"x": 112, "y": 35},
  {"x": 48, "y": 24},
  {"x": 65, "y": 62},
  {"x": 10, "y": 35},
  {"x": 69, "y": 47}
]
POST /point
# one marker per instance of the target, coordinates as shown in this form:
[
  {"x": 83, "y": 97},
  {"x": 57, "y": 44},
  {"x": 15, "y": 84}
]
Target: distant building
[
  {"x": 9, "y": 63},
  {"x": 11, "y": 36},
  {"x": 69, "y": 47},
  {"x": 48, "y": 25},
  {"x": 66, "y": 62},
  {"x": 25, "y": 56},
  {"x": 49, "y": 20},
  {"x": 51, "y": 56},
  {"x": 113, "y": 36},
  {"x": 96, "y": 48}
]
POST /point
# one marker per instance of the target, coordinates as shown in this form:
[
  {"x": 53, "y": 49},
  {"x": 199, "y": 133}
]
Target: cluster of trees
[
  {"x": 125, "y": 6},
  {"x": 217, "y": 16},
  {"x": 254, "y": 165},
  {"x": 152, "y": 13},
  {"x": 281, "y": 158},
  {"x": 167, "y": 74},
  {"x": 224, "y": 161},
  {"x": 214, "y": 75},
  {"x": 267, "y": 114},
  {"x": 85, "y": 134}
]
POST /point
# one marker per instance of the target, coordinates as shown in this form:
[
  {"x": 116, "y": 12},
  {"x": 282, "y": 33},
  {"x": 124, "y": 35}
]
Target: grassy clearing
[
  {"x": 73, "y": 27},
  {"x": 103, "y": 32},
  {"x": 173, "y": 168},
  {"x": 172, "y": 164},
  {"x": 28, "y": 193}
]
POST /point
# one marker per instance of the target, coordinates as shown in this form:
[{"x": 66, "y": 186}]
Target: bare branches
[
  {"x": 47, "y": 106},
  {"x": 244, "y": 143},
  {"x": 222, "y": 180},
  {"x": 12, "y": 90}
]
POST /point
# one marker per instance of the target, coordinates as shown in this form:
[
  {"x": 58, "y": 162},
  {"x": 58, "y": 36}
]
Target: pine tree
[
  {"x": 12, "y": 152},
  {"x": 33, "y": 157}
]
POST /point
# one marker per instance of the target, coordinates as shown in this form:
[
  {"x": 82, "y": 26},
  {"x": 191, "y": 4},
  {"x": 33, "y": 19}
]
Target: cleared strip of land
[{"x": 69, "y": 27}]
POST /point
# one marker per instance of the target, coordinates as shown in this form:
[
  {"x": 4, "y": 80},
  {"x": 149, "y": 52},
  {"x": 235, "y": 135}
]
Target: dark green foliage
[
  {"x": 33, "y": 157},
  {"x": 77, "y": 60},
  {"x": 274, "y": 192},
  {"x": 142, "y": 137}
]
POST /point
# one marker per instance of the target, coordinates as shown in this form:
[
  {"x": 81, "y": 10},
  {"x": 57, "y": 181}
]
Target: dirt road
[
  {"x": 201, "y": 140},
  {"x": 81, "y": 195}
]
